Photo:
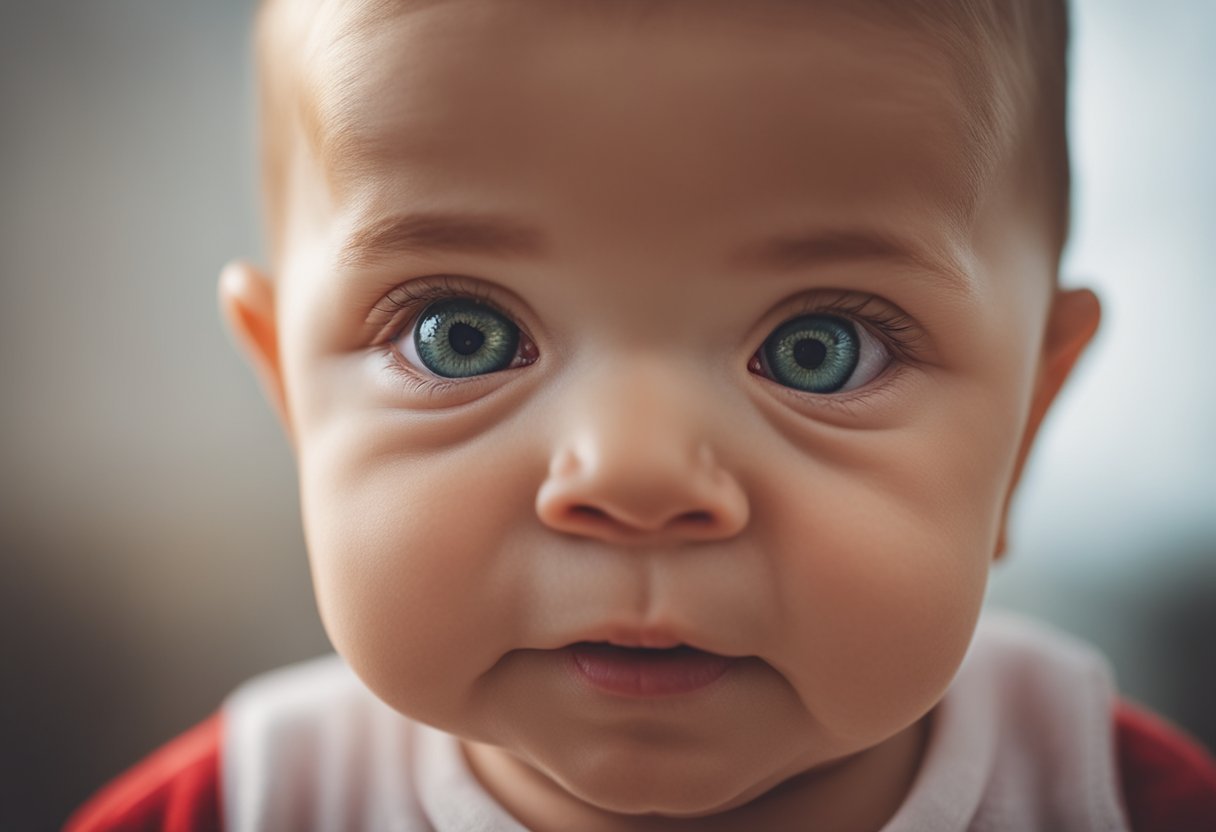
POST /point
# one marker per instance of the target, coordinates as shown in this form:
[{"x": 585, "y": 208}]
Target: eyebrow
[
  {"x": 496, "y": 236},
  {"x": 452, "y": 233},
  {"x": 789, "y": 252}
]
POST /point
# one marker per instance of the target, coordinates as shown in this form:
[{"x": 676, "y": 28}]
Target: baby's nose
[{"x": 634, "y": 466}]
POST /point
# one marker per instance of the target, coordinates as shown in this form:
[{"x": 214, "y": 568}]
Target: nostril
[{"x": 590, "y": 512}]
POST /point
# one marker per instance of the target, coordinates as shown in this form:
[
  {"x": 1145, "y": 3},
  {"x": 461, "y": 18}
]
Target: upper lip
[{"x": 627, "y": 635}]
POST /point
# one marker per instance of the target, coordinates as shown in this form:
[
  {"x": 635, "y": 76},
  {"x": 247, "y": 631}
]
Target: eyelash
[
  {"x": 892, "y": 325},
  {"x": 899, "y": 333},
  {"x": 399, "y": 308},
  {"x": 402, "y": 306}
]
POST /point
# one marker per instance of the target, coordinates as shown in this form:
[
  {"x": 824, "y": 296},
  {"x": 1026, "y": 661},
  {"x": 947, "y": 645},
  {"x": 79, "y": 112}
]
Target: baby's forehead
[
  {"x": 331, "y": 35},
  {"x": 345, "y": 40},
  {"x": 332, "y": 49}
]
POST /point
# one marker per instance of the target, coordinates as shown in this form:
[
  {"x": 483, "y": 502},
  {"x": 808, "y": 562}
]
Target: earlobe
[
  {"x": 1074, "y": 318},
  {"x": 247, "y": 302}
]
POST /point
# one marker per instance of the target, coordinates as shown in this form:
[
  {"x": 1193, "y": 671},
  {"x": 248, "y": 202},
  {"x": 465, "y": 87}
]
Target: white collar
[{"x": 1021, "y": 741}]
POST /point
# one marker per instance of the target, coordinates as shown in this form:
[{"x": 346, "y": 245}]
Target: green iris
[
  {"x": 457, "y": 338},
  {"x": 814, "y": 353}
]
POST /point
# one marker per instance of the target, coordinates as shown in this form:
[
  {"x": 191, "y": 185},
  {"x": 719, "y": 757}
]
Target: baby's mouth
[{"x": 644, "y": 672}]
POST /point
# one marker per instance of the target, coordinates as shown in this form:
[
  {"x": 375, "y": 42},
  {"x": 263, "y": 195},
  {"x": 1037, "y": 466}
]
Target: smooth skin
[{"x": 648, "y": 197}]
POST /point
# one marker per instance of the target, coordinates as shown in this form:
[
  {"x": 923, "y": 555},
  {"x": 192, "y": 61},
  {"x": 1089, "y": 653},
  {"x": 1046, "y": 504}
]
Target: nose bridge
[
  {"x": 636, "y": 412},
  {"x": 635, "y": 457}
]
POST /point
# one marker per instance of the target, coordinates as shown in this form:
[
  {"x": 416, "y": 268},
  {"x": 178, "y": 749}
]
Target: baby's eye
[
  {"x": 457, "y": 338},
  {"x": 821, "y": 354}
]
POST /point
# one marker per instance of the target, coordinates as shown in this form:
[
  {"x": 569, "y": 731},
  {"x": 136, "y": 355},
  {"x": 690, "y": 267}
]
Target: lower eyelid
[
  {"x": 435, "y": 389},
  {"x": 399, "y": 366},
  {"x": 420, "y": 381},
  {"x": 852, "y": 404}
]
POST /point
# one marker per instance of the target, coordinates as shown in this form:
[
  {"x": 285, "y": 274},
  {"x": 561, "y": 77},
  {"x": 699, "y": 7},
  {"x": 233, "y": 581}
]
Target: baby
[{"x": 659, "y": 374}]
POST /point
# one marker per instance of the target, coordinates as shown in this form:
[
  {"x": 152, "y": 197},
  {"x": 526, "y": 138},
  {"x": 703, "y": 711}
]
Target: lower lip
[{"x": 641, "y": 673}]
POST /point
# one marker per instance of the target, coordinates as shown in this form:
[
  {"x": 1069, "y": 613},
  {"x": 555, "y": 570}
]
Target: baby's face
[{"x": 677, "y": 327}]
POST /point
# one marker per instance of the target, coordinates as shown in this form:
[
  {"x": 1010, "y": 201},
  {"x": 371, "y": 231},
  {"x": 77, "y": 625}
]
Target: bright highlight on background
[
  {"x": 1116, "y": 524},
  {"x": 1129, "y": 465}
]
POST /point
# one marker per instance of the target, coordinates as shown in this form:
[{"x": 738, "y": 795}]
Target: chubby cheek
[
  {"x": 885, "y": 549},
  {"x": 407, "y": 553}
]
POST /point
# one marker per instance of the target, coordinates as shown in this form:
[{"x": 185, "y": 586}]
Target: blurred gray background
[{"x": 150, "y": 551}]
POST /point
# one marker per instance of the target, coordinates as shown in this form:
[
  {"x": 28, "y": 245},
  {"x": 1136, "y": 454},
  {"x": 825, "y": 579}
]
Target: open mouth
[{"x": 646, "y": 671}]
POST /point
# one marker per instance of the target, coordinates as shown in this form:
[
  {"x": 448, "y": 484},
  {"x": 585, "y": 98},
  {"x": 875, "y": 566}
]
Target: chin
[{"x": 658, "y": 785}]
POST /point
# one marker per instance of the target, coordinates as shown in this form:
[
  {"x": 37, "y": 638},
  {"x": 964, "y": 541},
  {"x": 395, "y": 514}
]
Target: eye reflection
[
  {"x": 458, "y": 338},
  {"x": 822, "y": 354}
]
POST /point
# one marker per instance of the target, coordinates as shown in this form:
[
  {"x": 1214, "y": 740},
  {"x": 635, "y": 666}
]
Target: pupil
[
  {"x": 809, "y": 353},
  {"x": 465, "y": 339}
]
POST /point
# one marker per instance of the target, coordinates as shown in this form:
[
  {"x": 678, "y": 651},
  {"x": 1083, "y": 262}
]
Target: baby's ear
[
  {"x": 1071, "y": 325},
  {"x": 247, "y": 303}
]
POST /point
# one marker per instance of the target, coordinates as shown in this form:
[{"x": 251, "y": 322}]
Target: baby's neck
[{"x": 858, "y": 794}]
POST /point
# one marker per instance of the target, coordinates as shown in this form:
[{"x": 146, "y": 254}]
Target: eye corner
[{"x": 529, "y": 352}]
